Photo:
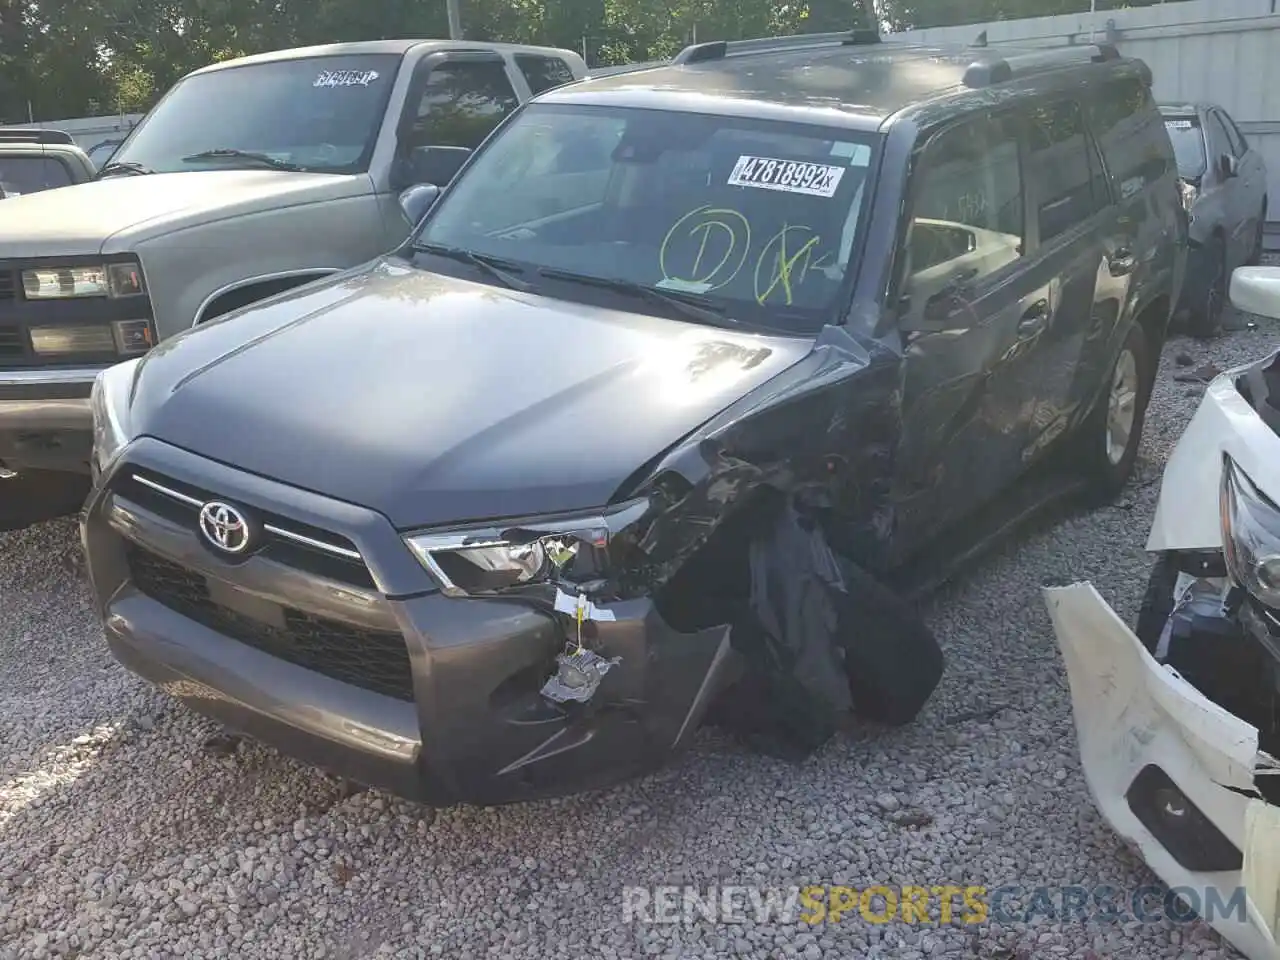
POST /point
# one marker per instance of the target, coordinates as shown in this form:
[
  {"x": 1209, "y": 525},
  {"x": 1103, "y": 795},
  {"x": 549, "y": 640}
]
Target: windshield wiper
[
  {"x": 690, "y": 306},
  {"x": 122, "y": 168},
  {"x": 227, "y": 153},
  {"x": 493, "y": 266}
]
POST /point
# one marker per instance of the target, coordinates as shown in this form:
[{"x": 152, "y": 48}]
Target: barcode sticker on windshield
[
  {"x": 1178, "y": 124},
  {"x": 346, "y": 78},
  {"x": 813, "y": 179}
]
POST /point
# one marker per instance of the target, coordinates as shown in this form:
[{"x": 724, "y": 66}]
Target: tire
[
  {"x": 1105, "y": 452},
  {"x": 40, "y": 495},
  {"x": 1207, "y": 309},
  {"x": 1260, "y": 242}
]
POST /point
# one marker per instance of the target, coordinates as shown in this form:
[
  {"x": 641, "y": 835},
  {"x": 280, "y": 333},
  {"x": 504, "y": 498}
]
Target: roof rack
[
  {"x": 719, "y": 49},
  {"x": 17, "y": 135},
  {"x": 997, "y": 69}
]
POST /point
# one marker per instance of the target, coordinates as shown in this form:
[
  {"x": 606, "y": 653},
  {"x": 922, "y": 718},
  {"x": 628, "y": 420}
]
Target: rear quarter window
[
  {"x": 543, "y": 73},
  {"x": 1132, "y": 135},
  {"x": 32, "y": 174}
]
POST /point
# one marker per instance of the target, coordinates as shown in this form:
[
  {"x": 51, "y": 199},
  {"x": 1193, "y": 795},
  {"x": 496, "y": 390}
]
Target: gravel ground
[{"x": 122, "y": 834}]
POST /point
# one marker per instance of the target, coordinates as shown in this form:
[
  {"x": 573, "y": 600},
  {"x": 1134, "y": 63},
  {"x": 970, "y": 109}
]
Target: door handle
[
  {"x": 1034, "y": 320},
  {"x": 1122, "y": 262}
]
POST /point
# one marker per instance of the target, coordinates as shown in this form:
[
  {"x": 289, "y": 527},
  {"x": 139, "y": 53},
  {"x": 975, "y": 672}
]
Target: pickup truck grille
[
  {"x": 13, "y": 342},
  {"x": 8, "y": 283}
]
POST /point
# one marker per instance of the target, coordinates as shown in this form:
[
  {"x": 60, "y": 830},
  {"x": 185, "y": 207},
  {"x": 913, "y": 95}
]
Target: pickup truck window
[
  {"x": 320, "y": 114},
  {"x": 462, "y": 102},
  {"x": 543, "y": 73},
  {"x": 31, "y": 174}
]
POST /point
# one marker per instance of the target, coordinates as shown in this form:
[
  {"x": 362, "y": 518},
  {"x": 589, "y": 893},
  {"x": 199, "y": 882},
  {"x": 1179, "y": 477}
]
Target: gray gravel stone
[{"x": 121, "y": 838}]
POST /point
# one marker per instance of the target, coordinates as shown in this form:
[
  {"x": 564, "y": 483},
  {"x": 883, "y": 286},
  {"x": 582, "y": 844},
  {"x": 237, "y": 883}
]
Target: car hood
[
  {"x": 104, "y": 216},
  {"x": 436, "y": 400}
]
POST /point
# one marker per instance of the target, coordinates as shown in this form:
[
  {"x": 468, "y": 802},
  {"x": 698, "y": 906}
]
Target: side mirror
[
  {"x": 417, "y": 200},
  {"x": 1256, "y": 290},
  {"x": 433, "y": 165},
  {"x": 1230, "y": 166}
]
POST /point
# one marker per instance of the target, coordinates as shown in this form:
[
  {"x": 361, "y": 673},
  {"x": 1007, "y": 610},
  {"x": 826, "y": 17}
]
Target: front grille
[
  {"x": 369, "y": 659},
  {"x": 286, "y": 540},
  {"x": 8, "y": 284},
  {"x": 13, "y": 342}
]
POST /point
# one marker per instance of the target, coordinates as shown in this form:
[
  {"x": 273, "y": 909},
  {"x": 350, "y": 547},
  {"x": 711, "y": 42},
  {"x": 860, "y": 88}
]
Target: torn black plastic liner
[{"x": 820, "y": 636}]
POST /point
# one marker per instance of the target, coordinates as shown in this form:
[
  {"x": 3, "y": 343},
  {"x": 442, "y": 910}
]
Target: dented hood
[
  {"x": 113, "y": 215},
  {"x": 435, "y": 400}
]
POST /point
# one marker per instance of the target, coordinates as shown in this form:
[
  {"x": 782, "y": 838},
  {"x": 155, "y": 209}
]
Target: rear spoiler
[{"x": 16, "y": 135}]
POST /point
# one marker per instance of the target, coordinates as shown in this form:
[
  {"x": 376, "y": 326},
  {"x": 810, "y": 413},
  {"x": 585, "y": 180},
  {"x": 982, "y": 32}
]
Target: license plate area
[{"x": 245, "y": 604}]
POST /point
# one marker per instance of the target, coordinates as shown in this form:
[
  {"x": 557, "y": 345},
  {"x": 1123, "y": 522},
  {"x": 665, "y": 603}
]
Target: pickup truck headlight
[
  {"x": 95, "y": 280},
  {"x": 109, "y": 401},
  {"x": 477, "y": 561},
  {"x": 1250, "y": 535}
]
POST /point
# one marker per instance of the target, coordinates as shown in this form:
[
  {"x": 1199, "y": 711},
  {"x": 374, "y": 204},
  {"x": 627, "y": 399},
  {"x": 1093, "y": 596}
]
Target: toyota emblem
[{"x": 224, "y": 526}]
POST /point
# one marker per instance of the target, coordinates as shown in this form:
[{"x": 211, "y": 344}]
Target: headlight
[
  {"x": 490, "y": 559},
  {"x": 1250, "y": 535},
  {"x": 95, "y": 280},
  {"x": 1189, "y": 193},
  {"x": 109, "y": 400}
]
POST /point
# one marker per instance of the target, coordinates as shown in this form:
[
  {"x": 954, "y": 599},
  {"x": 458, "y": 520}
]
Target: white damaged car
[{"x": 1178, "y": 720}]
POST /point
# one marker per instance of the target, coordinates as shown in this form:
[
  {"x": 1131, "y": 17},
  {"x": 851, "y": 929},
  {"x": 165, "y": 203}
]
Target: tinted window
[
  {"x": 1187, "y": 137},
  {"x": 319, "y": 113},
  {"x": 1219, "y": 142},
  {"x": 1069, "y": 188},
  {"x": 543, "y": 73},
  {"x": 1131, "y": 133},
  {"x": 967, "y": 220},
  {"x": 31, "y": 174},
  {"x": 757, "y": 218},
  {"x": 462, "y": 102}
]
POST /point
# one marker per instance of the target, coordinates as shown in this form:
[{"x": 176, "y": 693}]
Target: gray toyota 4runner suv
[
  {"x": 673, "y": 380},
  {"x": 248, "y": 178}
]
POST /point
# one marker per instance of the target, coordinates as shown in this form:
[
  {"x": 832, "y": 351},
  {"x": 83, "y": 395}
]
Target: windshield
[
  {"x": 1188, "y": 145},
  {"x": 317, "y": 113},
  {"x": 758, "y": 218}
]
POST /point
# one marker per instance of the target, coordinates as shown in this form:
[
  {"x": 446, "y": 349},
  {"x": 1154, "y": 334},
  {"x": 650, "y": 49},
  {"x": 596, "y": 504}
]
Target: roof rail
[
  {"x": 17, "y": 135},
  {"x": 997, "y": 69},
  {"x": 719, "y": 49}
]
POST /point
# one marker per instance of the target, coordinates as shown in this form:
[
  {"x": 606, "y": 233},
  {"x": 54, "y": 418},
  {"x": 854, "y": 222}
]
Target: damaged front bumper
[
  {"x": 1173, "y": 772},
  {"x": 357, "y": 663}
]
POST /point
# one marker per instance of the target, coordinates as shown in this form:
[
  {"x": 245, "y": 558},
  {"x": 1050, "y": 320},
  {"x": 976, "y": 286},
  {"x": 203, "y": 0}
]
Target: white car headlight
[
  {"x": 1250, "y": 535},
  {"x": 93, "y": 280},
  {"x": 487, "y": 560},
  {"x": 109, "y": 400}
]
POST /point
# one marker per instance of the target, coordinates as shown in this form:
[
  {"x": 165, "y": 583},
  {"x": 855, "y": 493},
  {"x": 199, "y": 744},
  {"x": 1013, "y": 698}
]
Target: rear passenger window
[
  {"x": 462, "y": 102},
  {"x": 31, "y": 174},
  {"x": 1064, "y": 170},
  {"x": 543, "y": 73},
  {"x": 967, "y": 221},
  {"x": 1130, "y": 131}
]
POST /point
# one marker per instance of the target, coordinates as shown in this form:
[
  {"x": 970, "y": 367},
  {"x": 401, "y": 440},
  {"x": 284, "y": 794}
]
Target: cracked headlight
[
  {"x": 109, "y": 401},
  {"x": 487, "y": 560},
  {"x": 1250, "y": 535}
]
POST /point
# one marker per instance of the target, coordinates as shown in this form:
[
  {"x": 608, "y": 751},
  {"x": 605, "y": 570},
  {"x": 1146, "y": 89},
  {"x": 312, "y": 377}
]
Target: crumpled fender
[
  {"x": 1187, "y": 515},
  {"x": 1130, "y": 712}
]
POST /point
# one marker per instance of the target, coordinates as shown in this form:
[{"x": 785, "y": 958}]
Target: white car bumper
[{"x": 1131, "y": 713}]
